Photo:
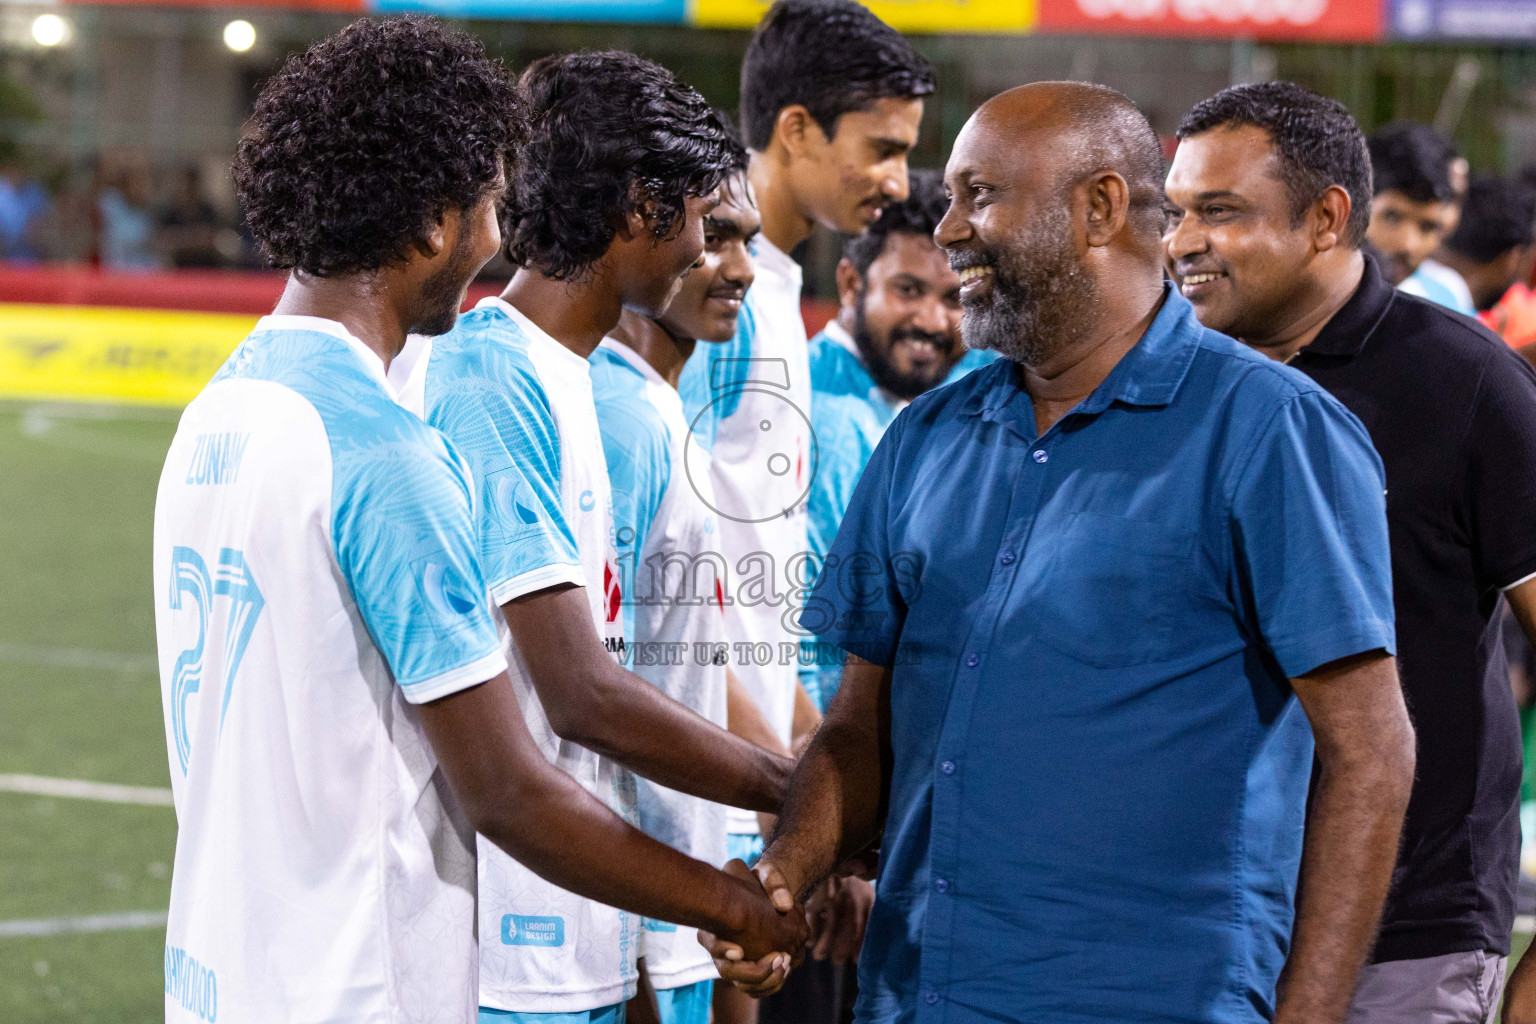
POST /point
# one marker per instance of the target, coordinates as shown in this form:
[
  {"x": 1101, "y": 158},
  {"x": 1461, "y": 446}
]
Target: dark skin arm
[
  {"x": 591, "y": 700},
  {"x": 1365, "y": 748},
  {"x": 1520, "y": 991},
  {"x": 642, "y": 1007},
  {"x": 538, "y": 814},
  {"x": 835, "y": 809},
  {"x": 1365, "y": 757}
]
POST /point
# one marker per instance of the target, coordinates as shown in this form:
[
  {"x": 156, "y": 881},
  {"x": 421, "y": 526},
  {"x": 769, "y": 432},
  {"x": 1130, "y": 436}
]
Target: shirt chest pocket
[{"x": 1117, "y": 592}]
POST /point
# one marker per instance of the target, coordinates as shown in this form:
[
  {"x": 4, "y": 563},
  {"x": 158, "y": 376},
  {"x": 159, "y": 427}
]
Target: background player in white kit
[
  {"x": 667, "y": 537},
  {"x": 605, "y": 213},
  {"x": 831, "y": 100},
  {"x": 325, "y": 644}
]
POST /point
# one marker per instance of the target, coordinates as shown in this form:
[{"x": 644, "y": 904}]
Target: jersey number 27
[{"x": 190, "y": 579}]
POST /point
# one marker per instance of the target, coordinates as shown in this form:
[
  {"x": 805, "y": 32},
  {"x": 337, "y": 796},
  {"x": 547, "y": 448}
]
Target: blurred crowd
[{"x": 119, "y": 213}]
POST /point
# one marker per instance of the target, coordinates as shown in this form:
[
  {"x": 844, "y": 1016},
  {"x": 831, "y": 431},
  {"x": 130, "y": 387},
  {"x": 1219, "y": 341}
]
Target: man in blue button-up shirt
[{"x": 1097, "y": 592}]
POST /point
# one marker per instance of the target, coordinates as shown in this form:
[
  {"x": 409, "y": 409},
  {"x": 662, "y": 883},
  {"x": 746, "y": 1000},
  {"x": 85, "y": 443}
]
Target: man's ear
[
  {"x": 449, "y": 222},
  {"x": 640, "y": 220},
  {"x": 1109, "y": 202},
  {"x": 849, "y": 284},
  {"x": 797, "y": 131},
  {"x": 1330, "y": 217}
]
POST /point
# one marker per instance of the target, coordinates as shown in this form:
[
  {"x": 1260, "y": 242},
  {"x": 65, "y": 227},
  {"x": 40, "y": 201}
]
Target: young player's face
[
  {"x": 1230, "y": 241},
  {"x": 655, "y": 272},
  {"x": 906, "y": 314},
  {"x": 472, "y": 239},
  {"x": 710, "y": 295},
  {"x": 1406, "y": 232},
  {"x": 844, "y": 182}
]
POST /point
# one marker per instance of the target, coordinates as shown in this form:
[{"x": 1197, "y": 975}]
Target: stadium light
[
  {"x": 239, "y": 35},
  {"x": 49, "y": 30}
]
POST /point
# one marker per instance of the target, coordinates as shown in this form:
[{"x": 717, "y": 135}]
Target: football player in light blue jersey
[
  {"x": 831, "y": 103},
  {"x": 605, "y": 213},
  {"x": 896, "y": 335},
  {"x": 338, "y": 710},
  {"x": 668, "y": 541}
]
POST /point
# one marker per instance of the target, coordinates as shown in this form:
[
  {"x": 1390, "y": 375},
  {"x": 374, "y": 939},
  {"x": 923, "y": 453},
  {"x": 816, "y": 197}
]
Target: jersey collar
[
  {"x": 769, "y": 257},
  {"x": 835, "y": 333},
  {"x": 535, "y": 333},
  {"x": 636, "y": 360},
  {"x": 320, "y": 325}
]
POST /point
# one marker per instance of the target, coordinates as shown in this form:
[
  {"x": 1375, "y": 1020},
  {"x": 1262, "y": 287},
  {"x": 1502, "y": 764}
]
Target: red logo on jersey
[{"x": 611, "y": 589}]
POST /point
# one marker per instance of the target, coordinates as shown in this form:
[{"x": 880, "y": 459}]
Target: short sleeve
[
  {"x": 639, "y": 466},
  {"x": 507, "y": 436},
  {"x": 1310, "y": 529},
  {"x": 1501, "y": 456},
  {"x": 856, "y": 603},
  {"x": 405, "y": 542},
  {"x": 713, "y": 377}
]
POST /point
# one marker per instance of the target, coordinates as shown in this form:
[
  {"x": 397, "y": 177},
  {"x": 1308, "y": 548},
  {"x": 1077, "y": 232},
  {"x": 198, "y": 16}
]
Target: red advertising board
[{"x": 1324, "y": 20}]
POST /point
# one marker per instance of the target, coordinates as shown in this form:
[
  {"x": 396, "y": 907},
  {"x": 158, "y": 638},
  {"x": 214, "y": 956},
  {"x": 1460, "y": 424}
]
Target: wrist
[{"x": 731, "y": 911}]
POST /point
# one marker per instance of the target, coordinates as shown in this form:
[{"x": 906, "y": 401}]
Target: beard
[
  {"x": 1042, "y": 301},
  {"x": 443, "y": 293},
  {"x": 904, "y": 384}
]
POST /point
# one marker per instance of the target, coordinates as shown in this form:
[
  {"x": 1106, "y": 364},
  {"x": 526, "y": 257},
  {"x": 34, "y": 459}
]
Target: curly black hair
[
  {"x": 829, "y": 56},
  {"x": 360, "y": 143},
  {"x": 612, "y": 133},
  {"x": 1316, "y": 140},
  {"x": 1415, "y": 160},
  {"x": 918, "y": 214}
]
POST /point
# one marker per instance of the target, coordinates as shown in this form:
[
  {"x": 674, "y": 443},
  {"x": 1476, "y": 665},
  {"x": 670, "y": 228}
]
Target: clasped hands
[{"x": 832, "y": 918}]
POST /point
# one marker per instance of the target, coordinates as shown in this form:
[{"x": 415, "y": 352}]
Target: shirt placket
[{"x": 1026, "y": 488}]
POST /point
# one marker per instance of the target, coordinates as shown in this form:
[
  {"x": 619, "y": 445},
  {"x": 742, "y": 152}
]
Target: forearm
[
  {"x": 589, "y": 699},
  {"x": 565, "y": 835},
  {"x": 1350, "y": 849},
  {"x": 807, "y": 717},
  {"x": 745, "y": 719},
  {"x": 834, "y": 807},
  {"x": 633, "y": 723}
]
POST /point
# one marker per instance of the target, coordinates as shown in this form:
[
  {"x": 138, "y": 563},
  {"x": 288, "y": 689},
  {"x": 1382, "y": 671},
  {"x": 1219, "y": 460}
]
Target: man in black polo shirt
[{"x": 1268, "y": 199}]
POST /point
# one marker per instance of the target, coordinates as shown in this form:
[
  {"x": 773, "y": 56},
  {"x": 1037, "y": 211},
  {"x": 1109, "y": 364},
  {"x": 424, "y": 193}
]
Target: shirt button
[
  {"x": 941, "y": 885},
  {"x": 973, "y": 660},
  {"x": 1007, "y": 558},
  {"x": 930, "y": 998},
  {"x": 948, "y": 767},
  {"x": 1040, "y": 455}
]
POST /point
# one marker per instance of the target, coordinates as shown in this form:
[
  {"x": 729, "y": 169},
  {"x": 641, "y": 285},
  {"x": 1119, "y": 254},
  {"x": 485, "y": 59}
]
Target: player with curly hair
[
  {"x": 338, "y": 711},
  {"x": 605, "y": 214}
]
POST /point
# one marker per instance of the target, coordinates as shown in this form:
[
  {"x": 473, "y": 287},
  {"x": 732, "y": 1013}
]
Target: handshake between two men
[{"x": 827, "y": 918}]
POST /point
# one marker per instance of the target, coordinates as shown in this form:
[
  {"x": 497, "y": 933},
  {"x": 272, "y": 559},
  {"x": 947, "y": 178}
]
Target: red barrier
[{"x": 207, "y": 291}]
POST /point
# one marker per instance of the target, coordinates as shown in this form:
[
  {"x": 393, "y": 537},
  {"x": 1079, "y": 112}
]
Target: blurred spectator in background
[
  {"x": 23, "y": 210},
  {"x": 1514, "y": 316},
  {"x": 1491, "y": 247},
  {"x": 127, "y": 220},
  {"x": 1413, "y": 210},
  {"x": 192, "y": 234}
]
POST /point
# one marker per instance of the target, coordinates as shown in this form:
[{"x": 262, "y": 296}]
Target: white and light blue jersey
[
  {"x": 748, "y": 402},
  {"x": 849, "y": 413},
  {"x": 1441, "y": 285},
  {"x": 669, "y": 561},
  {"x": 315, "y": 577},
  {"x": 518, "y": 406}
]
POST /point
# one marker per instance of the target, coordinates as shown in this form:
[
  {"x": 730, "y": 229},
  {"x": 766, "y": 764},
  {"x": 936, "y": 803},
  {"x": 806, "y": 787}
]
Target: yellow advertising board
[
  {"x": 905, "y": 15},
  {"x": 101, "y": 354}
]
